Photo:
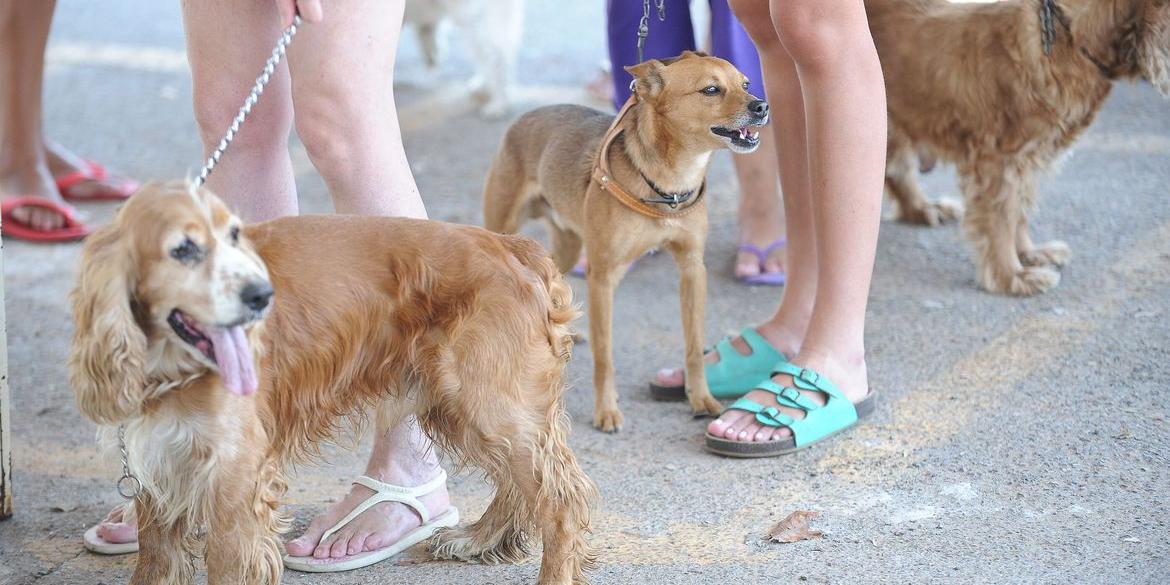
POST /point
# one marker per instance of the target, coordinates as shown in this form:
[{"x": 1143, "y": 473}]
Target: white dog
[{"x": 491, "y": 29}]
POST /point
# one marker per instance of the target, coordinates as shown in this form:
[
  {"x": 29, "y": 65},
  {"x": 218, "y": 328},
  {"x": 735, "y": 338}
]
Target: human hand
[{"x": 310, "y": 11}]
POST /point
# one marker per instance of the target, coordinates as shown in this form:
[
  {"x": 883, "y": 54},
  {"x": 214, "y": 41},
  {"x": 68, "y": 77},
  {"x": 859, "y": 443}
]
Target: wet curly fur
[{"x": 971, "y": 84}]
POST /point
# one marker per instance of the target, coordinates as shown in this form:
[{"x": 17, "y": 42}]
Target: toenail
[{"x": 759, "y": 436}]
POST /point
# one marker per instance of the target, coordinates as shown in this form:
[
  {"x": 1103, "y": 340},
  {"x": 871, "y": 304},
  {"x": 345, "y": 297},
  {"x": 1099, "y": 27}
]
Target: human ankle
[{"x": 413, "y": 471}]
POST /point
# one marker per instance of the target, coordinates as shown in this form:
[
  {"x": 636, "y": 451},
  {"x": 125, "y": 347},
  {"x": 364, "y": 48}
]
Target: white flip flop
[
  {"x": 96, "y": 544},
  {"x": 383, "y": 492}
]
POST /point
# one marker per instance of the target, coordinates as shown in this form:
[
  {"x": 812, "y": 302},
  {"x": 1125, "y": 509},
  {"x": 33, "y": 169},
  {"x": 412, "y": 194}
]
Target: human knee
[
  {"x": 331, "y": 122},
  {"x": 753, "y": 16},
  {"x": 216, "y": 105},
  {"x": 813, "y": 36}
]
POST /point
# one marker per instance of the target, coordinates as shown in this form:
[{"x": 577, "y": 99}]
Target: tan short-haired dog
[{"x": 644, "y": 190}]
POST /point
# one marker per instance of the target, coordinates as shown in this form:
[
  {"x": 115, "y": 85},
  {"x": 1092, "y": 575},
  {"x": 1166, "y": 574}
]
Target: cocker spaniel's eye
[
  {"x": 747, "y": 84},
  {"x": 235, "y": 235},
  {"x": 711, "y": 90},
  {"x": 187, "y": 252}
]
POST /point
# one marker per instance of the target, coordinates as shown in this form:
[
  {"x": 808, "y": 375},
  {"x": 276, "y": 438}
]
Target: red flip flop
[
  {"x": 72, "y": 231},
  {"x": 93, "y": 172}
]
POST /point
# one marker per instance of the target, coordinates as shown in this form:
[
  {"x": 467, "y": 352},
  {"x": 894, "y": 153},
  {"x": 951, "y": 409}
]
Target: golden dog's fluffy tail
[{"x": 561, "y": 311}]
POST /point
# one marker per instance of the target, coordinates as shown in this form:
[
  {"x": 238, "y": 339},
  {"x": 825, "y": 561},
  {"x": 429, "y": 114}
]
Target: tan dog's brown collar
[{"x": 605, "y": 180}]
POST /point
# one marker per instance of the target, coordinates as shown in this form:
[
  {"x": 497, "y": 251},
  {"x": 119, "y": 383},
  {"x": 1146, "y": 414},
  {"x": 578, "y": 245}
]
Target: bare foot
[
  {"x": 748, "y": 263},
  {"x": 116, "y": 529},
  {"x": 739, "y": 425},
  {"x": 32, "y": 180},
  {"x": 378, "y": 527},
  {"x": 63, "y": 162}
]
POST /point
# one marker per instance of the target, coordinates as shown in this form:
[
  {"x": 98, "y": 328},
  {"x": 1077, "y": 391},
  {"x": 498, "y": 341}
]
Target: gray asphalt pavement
[{"x": 1017, "y": 440}]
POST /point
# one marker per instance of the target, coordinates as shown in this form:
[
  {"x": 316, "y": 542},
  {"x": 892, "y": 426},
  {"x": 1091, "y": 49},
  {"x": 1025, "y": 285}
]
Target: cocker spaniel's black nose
[{"x": 256, "y": 295}]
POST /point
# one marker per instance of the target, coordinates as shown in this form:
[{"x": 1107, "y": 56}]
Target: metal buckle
[{"x": 809, "y": 376}]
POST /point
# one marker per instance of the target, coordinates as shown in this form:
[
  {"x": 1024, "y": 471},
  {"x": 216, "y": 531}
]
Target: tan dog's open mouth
[
  {"x": 226, "y": 347},
  {"x": 743, "y": 139}
]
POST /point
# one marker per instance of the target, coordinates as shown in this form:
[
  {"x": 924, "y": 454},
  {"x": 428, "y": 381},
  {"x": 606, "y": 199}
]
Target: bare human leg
[
  {"x": 827, "y": 45},
  {"x": 24, "y": 170}
]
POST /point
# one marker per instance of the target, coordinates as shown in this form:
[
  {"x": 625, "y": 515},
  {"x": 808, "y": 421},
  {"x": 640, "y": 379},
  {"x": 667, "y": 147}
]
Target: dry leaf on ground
[{"x": 794, "y": 528}]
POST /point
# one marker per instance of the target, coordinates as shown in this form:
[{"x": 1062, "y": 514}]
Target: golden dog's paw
[
  {"x": 608, "y": 420},
  {"x": 1054, "y": 253},
  {"x": 1027, "y": 282},
  {"x": 933, "y": 214},
  {"x": 705, "y": 406}
]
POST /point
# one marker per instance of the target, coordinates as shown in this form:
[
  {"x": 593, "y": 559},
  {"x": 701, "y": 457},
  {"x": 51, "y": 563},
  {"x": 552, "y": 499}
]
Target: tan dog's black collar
[{"x": 605, "y": 180}]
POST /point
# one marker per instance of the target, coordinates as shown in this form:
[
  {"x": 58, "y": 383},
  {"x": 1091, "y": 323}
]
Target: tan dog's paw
[
  {"x": 608, "y": 420},
  {"x": 1054, "y": 253},
  {"x": 933, "y": 214},
  {"x": 705, "y": 406},
  {"x": 1027, "y": 282}
]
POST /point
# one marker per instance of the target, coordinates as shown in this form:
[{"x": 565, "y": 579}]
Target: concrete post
[{"x": 5, "y": 415}]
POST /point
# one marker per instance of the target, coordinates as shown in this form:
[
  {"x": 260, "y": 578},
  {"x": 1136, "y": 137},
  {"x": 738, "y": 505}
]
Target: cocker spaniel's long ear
[{"x": 107, "y": 361}]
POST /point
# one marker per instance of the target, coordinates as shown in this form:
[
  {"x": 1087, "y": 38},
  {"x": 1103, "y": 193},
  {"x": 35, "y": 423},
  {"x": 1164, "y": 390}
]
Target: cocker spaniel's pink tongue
[{"x": 233, "y": 355}]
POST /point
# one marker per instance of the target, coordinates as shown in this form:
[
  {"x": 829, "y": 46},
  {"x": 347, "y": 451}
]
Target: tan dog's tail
[{"x": 505, "y": 191}]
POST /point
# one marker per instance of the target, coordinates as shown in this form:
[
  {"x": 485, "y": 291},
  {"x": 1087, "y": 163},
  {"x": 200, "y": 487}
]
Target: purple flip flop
[{"x": 764, "y": 278}]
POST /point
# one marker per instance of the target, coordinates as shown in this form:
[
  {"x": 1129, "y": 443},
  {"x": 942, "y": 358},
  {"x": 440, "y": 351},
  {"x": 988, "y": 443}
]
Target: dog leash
[
  {"x": 129, "y": 486},
  {"x": 644, "y": 24},
  {"x": 258, "y": 88},
  {"x": 604, "y": 176}
]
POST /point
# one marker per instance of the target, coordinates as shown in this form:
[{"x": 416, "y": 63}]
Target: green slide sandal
[
  {"x": 820, "y": 420},
  {"x": 734, "y": 374}
]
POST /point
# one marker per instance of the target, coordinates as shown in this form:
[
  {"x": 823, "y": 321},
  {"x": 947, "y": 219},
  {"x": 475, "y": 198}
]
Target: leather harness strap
[{"x": 604, "y": 177}]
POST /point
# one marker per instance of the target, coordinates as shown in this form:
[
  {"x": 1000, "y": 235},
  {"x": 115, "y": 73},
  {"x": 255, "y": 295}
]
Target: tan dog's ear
[
  {"x": 108, "y": 357},
  {"x": 648, "y": 80}
]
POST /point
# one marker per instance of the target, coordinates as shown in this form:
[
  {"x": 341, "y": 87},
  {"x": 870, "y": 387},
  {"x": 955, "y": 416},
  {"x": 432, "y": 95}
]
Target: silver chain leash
[
  {"x": 129, "y": 486},
  {"x": 644, "y": 24},
  {"x": 257, "y": 89}
]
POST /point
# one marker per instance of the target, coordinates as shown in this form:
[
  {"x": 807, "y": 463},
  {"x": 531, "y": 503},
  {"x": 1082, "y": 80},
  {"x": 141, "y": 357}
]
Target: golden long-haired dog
[
  {"x": 971, "y": 84},
  {"x": 221, "y": 385}
]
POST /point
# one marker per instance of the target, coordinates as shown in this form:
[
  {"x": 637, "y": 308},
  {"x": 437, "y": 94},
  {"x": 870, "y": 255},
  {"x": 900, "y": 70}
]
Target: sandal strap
[
  {"x": 384, "y": 492},
  {"x": 820, "y": 420},
  {"x": 807, "y": 379},
  {"x": 734, "y": 374}
]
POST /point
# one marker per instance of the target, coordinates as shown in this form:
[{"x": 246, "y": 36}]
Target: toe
[
  {"x": 357, "y": 544},
  {"x": 299, "y": 547},
  {"x": 670, "y": 377},
  {"x": 375, "y": 542},
  {"x": 746, "y": 264},
  {"x": 118, "y": 532},
  {"x": 340, "y": 545},
  {"x": 730, "y": 424},
  {"x": 748, "y": 431}
]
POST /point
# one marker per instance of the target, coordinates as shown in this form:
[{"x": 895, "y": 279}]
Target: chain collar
[
  {"x": 129, "y": 486},
  {"x": 671, "y": 199}
]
